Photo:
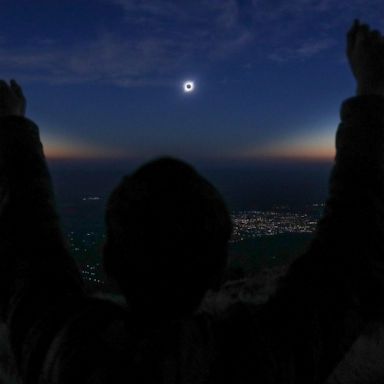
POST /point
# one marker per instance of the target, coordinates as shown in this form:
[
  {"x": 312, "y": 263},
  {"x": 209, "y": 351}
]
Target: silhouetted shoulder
[
  {"x": 93, "y": 342},
  {"x": 105, "y": 342}
]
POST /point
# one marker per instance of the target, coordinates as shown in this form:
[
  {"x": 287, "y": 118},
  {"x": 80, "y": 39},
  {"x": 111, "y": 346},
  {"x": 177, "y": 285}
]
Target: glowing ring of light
[{"x": 188, "y": 86}]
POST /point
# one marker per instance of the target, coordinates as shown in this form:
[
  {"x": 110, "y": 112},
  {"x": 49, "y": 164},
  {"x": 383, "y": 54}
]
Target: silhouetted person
[
  {"x": 59, "y": 335},
  {"x": 167, "y": 239}
]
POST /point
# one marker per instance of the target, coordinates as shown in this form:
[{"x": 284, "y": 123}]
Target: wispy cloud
[
  {"x": 296, "y": 8},
  {"x": 109, "y": 59},
  {"x": 161, "y": 37},
  {"x": 303, "y": 51},
  {"x": 151, "y": 57}
]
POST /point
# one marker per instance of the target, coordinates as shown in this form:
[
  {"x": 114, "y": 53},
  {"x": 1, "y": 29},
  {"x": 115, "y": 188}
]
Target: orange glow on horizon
[
  {"x": 65, "y": 149},
  {"x": 306, "y": 148},
  {"x": 298, "y": 153}
]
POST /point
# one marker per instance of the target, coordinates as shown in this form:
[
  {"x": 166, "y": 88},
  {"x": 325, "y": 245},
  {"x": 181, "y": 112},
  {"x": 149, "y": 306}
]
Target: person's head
[{"x": 167, "y": 237}]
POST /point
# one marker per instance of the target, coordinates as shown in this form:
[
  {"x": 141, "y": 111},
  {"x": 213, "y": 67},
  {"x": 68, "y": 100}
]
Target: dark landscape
[{"x": 266, "y": 202}]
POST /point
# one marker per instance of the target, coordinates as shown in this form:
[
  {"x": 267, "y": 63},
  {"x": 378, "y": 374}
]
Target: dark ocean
[{"x": 244, "y": 186}]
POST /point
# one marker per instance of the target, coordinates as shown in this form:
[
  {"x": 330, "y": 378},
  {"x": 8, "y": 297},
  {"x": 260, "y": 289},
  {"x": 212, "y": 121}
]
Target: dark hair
[{"x": 167, "y": 237}]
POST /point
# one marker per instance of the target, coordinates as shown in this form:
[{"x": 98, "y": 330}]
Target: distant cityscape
[
  {"x": 251, "y": 224},
  {"x": 85, "y": 246}
]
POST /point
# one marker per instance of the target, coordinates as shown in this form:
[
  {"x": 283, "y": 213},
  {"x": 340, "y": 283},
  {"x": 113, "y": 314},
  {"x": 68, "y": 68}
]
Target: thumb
[{"x": 17, "y": 89}]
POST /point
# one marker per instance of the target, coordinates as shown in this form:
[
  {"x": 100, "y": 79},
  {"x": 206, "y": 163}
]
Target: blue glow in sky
[{"x": 104, "y": 78}]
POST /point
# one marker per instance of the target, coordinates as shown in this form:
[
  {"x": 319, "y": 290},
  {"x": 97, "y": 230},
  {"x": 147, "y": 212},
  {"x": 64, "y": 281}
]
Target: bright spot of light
[{"x": 188, "y": 86}]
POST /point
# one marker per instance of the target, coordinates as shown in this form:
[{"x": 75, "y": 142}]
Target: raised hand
[
  {"x": 12, "y": 100},
  {"x": 365, "y": 51}
]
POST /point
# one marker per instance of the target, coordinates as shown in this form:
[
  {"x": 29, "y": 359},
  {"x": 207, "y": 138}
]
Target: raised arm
[
  {"x": 333, "y": 290},
  {"x": 36, "y": 271}
]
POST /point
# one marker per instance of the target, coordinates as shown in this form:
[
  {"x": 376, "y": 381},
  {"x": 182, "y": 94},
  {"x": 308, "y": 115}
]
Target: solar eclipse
[{"x": 188, "y": 86}]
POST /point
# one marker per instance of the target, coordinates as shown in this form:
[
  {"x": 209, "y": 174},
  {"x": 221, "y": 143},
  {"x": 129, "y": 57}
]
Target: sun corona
[{"x": 188, "y": 86}]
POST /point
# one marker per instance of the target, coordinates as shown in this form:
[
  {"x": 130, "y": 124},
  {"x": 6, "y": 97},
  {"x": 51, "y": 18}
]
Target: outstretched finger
[
  {"x": 351, "y": 36},
  {"x": 16, "y": 88}
]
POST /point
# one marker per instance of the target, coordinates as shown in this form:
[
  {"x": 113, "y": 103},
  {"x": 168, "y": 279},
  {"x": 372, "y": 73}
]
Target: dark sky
[{"x": 104, "y": 78}]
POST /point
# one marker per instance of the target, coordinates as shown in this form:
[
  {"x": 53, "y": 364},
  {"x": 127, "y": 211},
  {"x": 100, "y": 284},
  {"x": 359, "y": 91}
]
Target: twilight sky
[{"x": 103, "y": 78}]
